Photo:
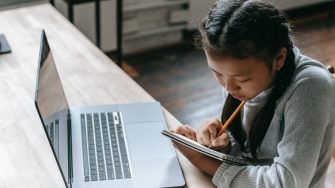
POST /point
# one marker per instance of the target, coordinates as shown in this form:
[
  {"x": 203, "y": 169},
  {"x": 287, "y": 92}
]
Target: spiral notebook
[{"x": 205, "y": 150}]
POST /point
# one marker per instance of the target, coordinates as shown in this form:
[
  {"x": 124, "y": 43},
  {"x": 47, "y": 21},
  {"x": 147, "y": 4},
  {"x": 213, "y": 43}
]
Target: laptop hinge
[{"x": 70, "y": 159}]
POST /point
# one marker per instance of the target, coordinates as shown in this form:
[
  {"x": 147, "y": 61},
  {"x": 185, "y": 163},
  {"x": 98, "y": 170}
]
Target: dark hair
[{"x": 242, "y": 29}]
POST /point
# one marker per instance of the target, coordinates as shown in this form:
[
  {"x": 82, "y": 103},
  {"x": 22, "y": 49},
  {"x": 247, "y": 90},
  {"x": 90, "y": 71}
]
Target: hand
[
  {"x": 207, "y": 135},
  {"x": 186, "y": 131},
  {"x": 201, "y": 161},
  {"x": 221, "y": 143},
  {"x": 190, "y": 133}
]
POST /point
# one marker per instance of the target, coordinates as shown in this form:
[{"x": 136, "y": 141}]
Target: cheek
[
  {"x": 253, "y": 89},
  {"x": 221, "y": 82},
  {"x": 247, "y": 90},
  {"x": 250, "y": 91},
  {"x": 219, "y": 79}
]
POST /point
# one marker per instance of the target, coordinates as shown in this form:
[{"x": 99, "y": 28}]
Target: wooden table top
[{"x": 89, "y": 77}]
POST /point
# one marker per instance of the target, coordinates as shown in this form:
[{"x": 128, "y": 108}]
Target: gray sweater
[{"x": 298, "y": 144}]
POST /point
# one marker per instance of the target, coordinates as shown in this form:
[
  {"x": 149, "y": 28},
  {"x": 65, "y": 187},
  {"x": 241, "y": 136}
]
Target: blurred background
[{"x": 156, "y": 41}]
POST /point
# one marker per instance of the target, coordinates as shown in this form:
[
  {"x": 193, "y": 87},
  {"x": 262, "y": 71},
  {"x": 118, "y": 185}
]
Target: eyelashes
[
  {"x": 218, "y": 75},
  {"x": 243, "y": 81}
]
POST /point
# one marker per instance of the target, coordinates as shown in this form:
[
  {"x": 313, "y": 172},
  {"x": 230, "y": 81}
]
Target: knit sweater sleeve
[{"x": 307, "y": 114}]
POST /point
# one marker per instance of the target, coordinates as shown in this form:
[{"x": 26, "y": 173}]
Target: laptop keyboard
[
  {"x": 105, "y": 155},
  {"x": 53, "y": 132}
]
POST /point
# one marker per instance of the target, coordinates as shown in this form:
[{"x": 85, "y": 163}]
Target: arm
[
  {"x": 201, "y": 161},
  {"x": 307, "y": 115}
]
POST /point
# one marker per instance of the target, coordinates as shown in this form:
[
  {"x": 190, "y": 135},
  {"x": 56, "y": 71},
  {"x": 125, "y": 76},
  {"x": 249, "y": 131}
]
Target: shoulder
[
  {"x": 311, "y": 82},
  {"x": 306, "y": 66},
  {"x": 310, "y": 72}
]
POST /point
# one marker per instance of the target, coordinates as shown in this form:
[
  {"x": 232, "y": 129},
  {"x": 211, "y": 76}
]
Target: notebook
[
  {"x": 205, "y": 150},
  {"x": 117, "y": 145}
]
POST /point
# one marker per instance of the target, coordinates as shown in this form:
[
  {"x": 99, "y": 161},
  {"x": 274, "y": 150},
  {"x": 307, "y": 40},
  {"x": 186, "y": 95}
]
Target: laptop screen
[
  {"x": 52, "y": 106},
  {"x": 50, "y": 96}
]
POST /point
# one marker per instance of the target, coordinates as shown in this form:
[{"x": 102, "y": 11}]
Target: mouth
[{"x": 239, "y": 97}]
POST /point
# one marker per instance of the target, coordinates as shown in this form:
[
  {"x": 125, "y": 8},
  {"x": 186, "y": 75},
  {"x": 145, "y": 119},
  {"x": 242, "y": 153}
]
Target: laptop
[{"x": 117, "y": 145}]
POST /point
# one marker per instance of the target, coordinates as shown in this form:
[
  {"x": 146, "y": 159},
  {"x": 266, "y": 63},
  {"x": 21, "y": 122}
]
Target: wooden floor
[{"x": 179, "y": 78}]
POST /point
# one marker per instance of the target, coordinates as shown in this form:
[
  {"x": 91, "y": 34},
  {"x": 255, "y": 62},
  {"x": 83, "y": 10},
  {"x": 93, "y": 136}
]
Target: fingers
[
  {"x": 206, "y": 135},
  {"x": 213, "y": 132},
  {"x": 208, "y": 131},
  {"x": 221, "y": 143},
  {"x": 186, "y": 131},
  {"x": 221, "y": 140}
]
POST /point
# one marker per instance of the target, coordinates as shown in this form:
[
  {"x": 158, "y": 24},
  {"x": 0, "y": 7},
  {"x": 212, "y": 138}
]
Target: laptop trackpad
[{"x": 145, "y": 141}]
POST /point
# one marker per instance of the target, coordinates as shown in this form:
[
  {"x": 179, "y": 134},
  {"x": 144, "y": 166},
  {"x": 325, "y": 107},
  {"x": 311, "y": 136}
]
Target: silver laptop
[{"x": 118, "y": 145}]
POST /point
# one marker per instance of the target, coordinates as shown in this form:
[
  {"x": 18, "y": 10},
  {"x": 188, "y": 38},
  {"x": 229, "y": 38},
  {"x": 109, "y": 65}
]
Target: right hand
[{"x": 207, "y": 135}]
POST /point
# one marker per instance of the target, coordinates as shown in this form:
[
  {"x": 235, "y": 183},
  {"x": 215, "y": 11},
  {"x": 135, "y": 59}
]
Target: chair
[
  {"x": 119, "y": 26},
  {"x": 71, "y": 3},
  {"x": 331, "y": 16}
]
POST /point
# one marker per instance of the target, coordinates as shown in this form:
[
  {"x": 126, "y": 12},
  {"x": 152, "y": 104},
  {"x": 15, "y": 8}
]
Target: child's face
[{"x": 243, "y": 79}]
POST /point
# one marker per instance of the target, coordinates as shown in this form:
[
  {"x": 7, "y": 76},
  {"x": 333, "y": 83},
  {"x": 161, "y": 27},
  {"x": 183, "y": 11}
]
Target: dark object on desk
[
  {"x": 4, "y": 46},
  {"x": 331, "y": 69}
]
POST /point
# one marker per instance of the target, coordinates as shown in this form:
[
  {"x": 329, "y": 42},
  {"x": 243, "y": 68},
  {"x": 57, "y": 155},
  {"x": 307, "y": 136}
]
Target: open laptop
[{"x": 116, "y": 145}]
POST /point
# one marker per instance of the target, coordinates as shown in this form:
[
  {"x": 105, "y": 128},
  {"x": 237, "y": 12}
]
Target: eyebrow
[
  {"x": 235, "y": 75},
  {"x": 214, "y": 71}
]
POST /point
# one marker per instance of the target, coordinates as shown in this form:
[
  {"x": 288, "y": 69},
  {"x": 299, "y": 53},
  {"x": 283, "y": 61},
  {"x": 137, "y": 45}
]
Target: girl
[{"x": 286, "y": 126}]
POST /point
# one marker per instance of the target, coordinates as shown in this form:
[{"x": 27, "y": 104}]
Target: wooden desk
[{"x": 88, "y": 76}]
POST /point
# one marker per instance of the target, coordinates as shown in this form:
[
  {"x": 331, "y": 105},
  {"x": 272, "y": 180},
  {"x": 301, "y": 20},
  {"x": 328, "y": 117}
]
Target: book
[{"x": 205, "y": 150}]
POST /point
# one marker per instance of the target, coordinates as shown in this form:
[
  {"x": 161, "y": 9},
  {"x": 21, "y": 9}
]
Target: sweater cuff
[{"x": 219, "y": 173}]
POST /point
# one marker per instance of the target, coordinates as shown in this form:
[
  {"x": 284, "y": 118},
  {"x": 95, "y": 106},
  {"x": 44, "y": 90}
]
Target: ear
[{"x": 279, "y": 61}]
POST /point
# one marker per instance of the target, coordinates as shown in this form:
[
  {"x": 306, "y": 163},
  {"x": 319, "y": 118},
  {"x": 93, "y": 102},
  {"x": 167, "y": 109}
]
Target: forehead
[{"x": 235, "y": 67}]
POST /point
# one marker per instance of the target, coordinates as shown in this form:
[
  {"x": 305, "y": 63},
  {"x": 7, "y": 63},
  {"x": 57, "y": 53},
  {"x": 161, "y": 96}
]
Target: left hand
[
  {"x": 190, "y": 133},
  {"x": 201, "y": 161}
]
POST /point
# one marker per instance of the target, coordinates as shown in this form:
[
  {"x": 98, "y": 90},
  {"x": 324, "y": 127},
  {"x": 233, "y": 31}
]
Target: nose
[{"x": 231, "y": 85}]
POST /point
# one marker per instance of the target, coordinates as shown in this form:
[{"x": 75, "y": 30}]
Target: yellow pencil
[{"x": 223, "y": 128}]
